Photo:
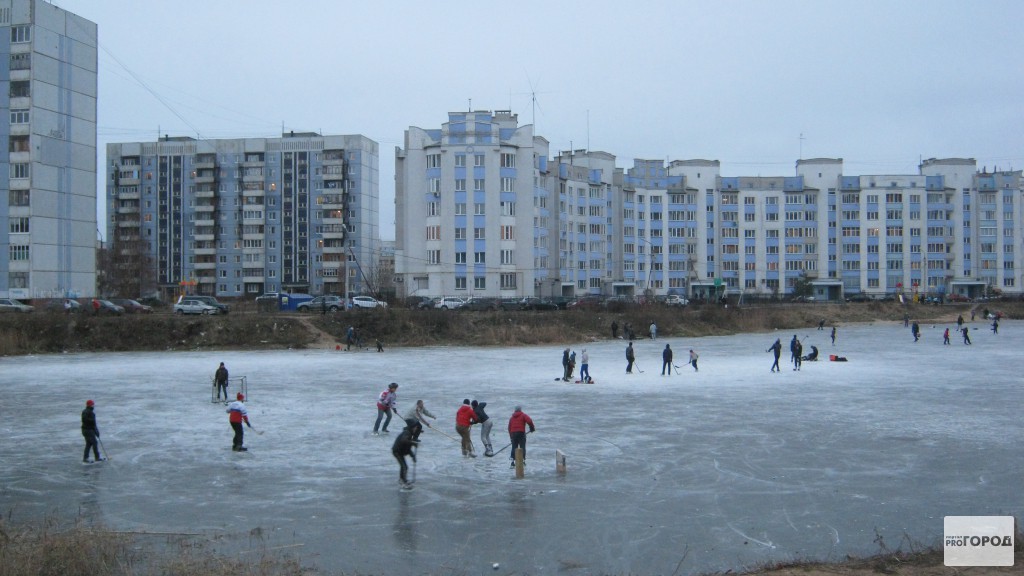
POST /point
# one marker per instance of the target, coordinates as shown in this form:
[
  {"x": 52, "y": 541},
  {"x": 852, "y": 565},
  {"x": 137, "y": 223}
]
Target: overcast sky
[{"x": 753, "y": 84}]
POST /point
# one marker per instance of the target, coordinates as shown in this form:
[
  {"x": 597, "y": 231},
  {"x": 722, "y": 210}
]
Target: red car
[{"x": 133, "y": 306}]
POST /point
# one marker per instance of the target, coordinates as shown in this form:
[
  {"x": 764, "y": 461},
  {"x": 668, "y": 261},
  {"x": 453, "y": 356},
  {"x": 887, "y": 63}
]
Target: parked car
[
  {"x": 133, "y": 306},
  {"x": 367, "y": 302},
  {"x": 585, "y": 303},
  {"x": 12, "y": 305},
  {"x": 862, "y": 297},
  {"x": 193, "y": 306},
  {"x": 617, "y": 302},
  {"x": 321, "y": 303},
  {"x": 448, "y": 303},
  {"x": 419, "y": 302},
  {"x": 508, "y": 304},
  {"x": 481, "y": 303},
  {"x": 958, "y": 298},
  {"x": 675, "y": 300},
  {"x": 224, "y": 308},
  {"x": 57, "y": 305},
  {"x": 108, "y": 307},
  {"x": 534, "y": 303}
]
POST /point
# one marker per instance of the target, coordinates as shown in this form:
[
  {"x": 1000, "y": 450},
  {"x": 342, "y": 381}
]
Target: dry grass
[
  {"x": 48, "y": 549},
  {"x": 41, "y": 333}
]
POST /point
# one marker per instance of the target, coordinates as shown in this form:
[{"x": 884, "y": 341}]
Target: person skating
[
  {"x": 798, "y": 352},
  {"x": 350, "y": 338},
  {"x": 572, "y": 365},
  {"x": 615, "y": 330},
  {"x": 464, "y": 418},
  {"x": 380, "y": 346},
  {"x": 403, "y": 447},
  {"x": 91, "y": 432},
  {"x": 915, "y": 329},
  {"x": 565, "y": 365},
  {"x": 821, "y": 324},
  {"x": 387, "y": 403},
  {"x": 654, "y": 331},
  {"x": 792, "y": 348},
  {"x": 693, "y": 359},
  {"x": 945, "y": 337},
  {"x": 585, "y": 367},
  {"x": 485, "y": 426},
  {"x": 420, "y": 414},
  {"x": 967, "y": 334},
  {"x": 220, "y": 380},
  {"x": 777, "y": 350},
  {"x": 666, "y": 360},
  {"x": 833, "y": 335},
  {"x": 995, "y": 325},
  {"x": 630, "y": 358},
  {"x": 959, "y": 322},
  {"x": 237, "y": 414},
  {"x": 517, "y": 425}
]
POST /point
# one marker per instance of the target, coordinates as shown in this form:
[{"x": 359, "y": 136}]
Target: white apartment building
[
  {"x": 473, "y": 217},
  {"x": 49, "y": 120}
]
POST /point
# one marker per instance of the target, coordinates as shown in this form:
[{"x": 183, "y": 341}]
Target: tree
[
  {"x": 124, "y": 268},
  {"x": 802, "y": 286}
]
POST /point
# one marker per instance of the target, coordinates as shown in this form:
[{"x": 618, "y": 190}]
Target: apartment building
[
  {"x": 240, "y": 217},
  {"x": 49, "y": 120},
  {"x": 473, "y": 217},
  {"x": 683, "y": 228}
]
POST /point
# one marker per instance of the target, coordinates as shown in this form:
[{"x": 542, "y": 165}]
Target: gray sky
[{"x": 880, "y": 84}]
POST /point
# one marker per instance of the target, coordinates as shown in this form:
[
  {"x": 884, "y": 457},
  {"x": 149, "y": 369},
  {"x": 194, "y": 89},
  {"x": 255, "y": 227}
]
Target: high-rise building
[
  {"x": 240, "y": 217},
  {"x": 48, "y": 218},
  {"x": 472, "y": 213}
]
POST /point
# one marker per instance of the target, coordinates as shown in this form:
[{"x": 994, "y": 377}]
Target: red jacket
[
  {"x": 465, "y": 416},
  {"x": 519, "y": 421}
]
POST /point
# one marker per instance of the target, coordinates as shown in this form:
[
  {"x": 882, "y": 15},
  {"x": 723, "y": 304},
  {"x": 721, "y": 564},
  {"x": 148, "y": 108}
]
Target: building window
[
  {"x": 478, "y": 160},
  {"x": 21, "y": 34},
  {"x": 507, "y": 184},
  {"x": 460, "y": 257},
  {"x": 460, "y": 208},
  {"x": 479, "y": 233},
  {"x": 18, "y": 253},
  {"x": 508, "y": 281},
  {"x": 20, "y": 170},
  {"x": 507, "y": 257},
  {"x": 460, "y": 233},
  {"x": 460, "y": 160},
  {"x": 433, "y": 160},
  {"x": 17, "y": 280},
  {"x": 479, "y": 257},
  {"x": 20, "y": 116},
  {"x": 508, "y": 160},
  {"x": 433, "y": 256},
  {"x": 479, "y": 209},
  {"x": 19, "y": 225},
  {"x": 479, "y": 283},
  {"x": 460, "y": 282}
]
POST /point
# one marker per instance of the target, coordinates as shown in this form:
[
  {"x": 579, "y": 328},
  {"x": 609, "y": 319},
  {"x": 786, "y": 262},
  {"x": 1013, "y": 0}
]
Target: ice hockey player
[
  {"x": 777, "y": 350},
  {"x": 464, "y": 418},
  {"x": 237, "y": 414},
  {"x": 517, "y": 432},
  {"x": 386, "y": 404},
  {"x": 666, "y": 360},
  {"x": 485, "y": 426},
  {"x": 420, "y": 413},
  {"x": 220, "y": 380},
  {"x": 403, "y": 447},
  {"x": 91, "y": 433},
  {"x": 630, "y": 357}
]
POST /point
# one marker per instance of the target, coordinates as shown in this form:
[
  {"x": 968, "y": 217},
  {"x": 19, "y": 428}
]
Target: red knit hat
[
  {"x": 90, "y": 403},
  {"x": 240, "y": 396}
]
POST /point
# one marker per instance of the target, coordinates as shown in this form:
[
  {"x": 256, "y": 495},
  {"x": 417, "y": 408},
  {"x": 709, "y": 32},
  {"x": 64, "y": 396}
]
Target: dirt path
[{"x": 322, "y": 340}]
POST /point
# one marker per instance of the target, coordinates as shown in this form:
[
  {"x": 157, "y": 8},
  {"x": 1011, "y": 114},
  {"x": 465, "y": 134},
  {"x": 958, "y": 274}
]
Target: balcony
[
  {"x": 204, "y": 237},
  {"x": 205, "y": 265},
  {"x": 132, "y": 194},
  {"x": 203, "y": 221},
  {"x": 256, "y": 192},
  {"x": 128, "y": 209},
  {"x": 205, "y": 251},
  {"x": 252, "y": 278},
  {"x": 205, "y": 194}
]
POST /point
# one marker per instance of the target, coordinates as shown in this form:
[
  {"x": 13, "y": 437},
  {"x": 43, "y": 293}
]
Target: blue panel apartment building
[
  {"x": 241, "y": 217},
  {"x": 579, "y": 225}
]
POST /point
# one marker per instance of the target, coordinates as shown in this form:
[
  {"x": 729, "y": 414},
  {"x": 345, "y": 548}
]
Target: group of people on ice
[{"x": 470, "y": 413}]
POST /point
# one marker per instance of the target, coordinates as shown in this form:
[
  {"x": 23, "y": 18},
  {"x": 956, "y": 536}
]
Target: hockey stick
[
  {"x": 260, "y": 432},
  {"x": 637, "y": 367},
  {"x": 506, "y": 446},
  {"x": 103, "y": 448},
  {"x": 443, "y": 434}
]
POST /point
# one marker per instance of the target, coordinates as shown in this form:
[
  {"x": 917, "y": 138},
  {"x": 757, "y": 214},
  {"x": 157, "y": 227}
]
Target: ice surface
[{"x": 709, "y": 471}]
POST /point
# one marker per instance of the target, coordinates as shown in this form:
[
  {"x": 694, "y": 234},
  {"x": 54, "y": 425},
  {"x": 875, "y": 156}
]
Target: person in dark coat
[
  {"x": 792, "y": 348},
  {"x": 630, "y": 358},
  {"x": 666, "y": 360},
  {"x": 220, "y": 379},
  {"x": 915, "y": 329},
  {"x": 798, "y": 352},
  {"x": 403, "y": 447},
  {"x": 777, "y": 350},
  {"x": 615, "y": 329},
  {"x": 565, "y": 365},
  {"x": 485, "y": 426},
  {"x": 967, "y": 334},
  {"x": 833, "y": 335},
  {"x": 91, "y": 433}
]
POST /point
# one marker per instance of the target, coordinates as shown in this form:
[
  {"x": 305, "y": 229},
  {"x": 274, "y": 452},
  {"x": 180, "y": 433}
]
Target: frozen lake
[{"x": 720, "y": 469}]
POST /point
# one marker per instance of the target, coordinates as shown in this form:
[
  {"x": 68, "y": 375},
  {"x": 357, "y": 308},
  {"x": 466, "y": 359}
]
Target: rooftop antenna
[
  {"x": 470, "y": 105},
  {"x": 801, "y": 157}
]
